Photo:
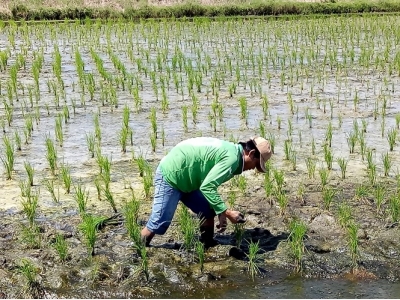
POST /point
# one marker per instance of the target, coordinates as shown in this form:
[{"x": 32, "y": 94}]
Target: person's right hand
[{"x": 235, "y": 216}]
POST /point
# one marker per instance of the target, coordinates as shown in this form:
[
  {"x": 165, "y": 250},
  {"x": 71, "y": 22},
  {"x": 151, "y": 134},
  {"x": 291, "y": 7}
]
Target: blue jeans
[{"x": 166, "y": 200}]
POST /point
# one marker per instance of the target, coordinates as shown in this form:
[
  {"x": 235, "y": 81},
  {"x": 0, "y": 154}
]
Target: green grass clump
[
  {"x": 9, "y": 158},
  {"x": 254, "y": 258},
  {"x": 30, "y": 274},
  {"x": 131, "y": 212},
  {"x": 189, "y": 227},
  {"x": 353, "y": 242},
  {"x": 297, "y": 230},
  {"x": 81, "y": 197},
  {"x": 61, "y": 247},
  {"x": 51, "y": 155},
  {"x": 344, "y": 214},
  {"x": 89, "y": 227},
  {"x": 66, "y": 177}
]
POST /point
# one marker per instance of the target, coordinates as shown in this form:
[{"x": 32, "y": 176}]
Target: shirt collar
[{"x": 240, "y": 167}]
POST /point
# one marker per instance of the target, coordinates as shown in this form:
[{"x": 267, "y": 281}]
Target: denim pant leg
[{"x": 165, "y": 201}]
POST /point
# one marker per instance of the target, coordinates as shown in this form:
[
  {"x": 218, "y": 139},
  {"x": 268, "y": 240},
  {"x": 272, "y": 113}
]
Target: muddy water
[
  {"x": 326, "y": 89},
  {"x": 297, "y": 288}
]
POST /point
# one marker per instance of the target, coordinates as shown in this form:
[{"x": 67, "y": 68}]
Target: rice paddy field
[{"x": 88, "y": 109}]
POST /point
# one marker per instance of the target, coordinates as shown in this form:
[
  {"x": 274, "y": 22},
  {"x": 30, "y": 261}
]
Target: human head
[{"x": 257, "y": 151}]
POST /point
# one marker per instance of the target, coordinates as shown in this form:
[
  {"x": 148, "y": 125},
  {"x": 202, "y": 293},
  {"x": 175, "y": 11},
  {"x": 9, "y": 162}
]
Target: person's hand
[
  {"x": 233, "y": 216},
  {"x": 222, "y": 223}
]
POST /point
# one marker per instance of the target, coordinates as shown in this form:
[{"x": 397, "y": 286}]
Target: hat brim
[{"x": 261, "y": 166}]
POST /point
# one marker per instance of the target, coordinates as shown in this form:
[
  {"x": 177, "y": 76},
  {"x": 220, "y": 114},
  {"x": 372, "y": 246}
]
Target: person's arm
[{"x": 220, "y": 173}]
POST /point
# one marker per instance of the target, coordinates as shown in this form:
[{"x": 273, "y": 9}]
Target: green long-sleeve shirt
[{"x": 203, "y": 164}]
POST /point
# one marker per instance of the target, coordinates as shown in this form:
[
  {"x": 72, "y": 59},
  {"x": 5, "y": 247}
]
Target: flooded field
[{"x": 89, "y": 108}]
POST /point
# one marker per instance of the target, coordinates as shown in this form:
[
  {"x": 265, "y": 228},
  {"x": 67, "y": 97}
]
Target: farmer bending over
[{"x": 192, "y": 172}]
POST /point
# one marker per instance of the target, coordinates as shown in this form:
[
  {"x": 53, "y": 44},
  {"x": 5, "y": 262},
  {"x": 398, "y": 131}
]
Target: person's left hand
[{"x": 222, "y": 223}]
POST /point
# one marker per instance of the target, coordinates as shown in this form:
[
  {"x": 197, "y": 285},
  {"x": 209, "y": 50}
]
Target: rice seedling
[
  {"x": 327, "y": 196},
  {"x": 397, "y": 118},
  {"x": 309, "y": 118},
  {"x": 324, "y": 176},
  {"x": 66, "y": 177},
  {"x": 351, "y": 141},
  {"x": 297, "y": 231},
  {"x": 153, "y": 121},
  {"x": 123, "y": 138},
  {"x": 364, "y": 125},
  {"x": 329, "y": 134},
  {"x": 379, "y": 194},
  {"x": 242, "y": 184},
  {"x": 51, "y": 155},
  {"x": 91, "y": 142},
  {"x": 59, "y": 130},
  {"x": 110, "y": 198},
  {"x": 61, "y": 247},
  {"x": 81, "y": 197},
  {"x": 148, "y": 181},
  {"x": 383, "y": 126},
  {"x": 243, "y": 109},
  {"x": 311, "y": 164},
  {"x": 30, "y": 273},
  {"x": 279, "y": 122},
  {"x": 352, "y": 230},
  {"x": 25, "y": 188},
  {"x": 370, "y": 161},
  {"x": 328, "y": 157},
  {"x": 262, "y": 128},
  {"x": 344, "y": 214},
  {"x": 153, "y": 141},
  {"x": 394, "y": 207},
  {"x": 279, "y": 180},
  {"x": 254, "y": 258},
  {"x": 184, "y": 118},
  {"x": 8, "y": 160},
  {"x": 97, "y": 128},
  {"x": 30, "y": 171},
  {"x": 371, "y": 171},
  {"x": 272, "y": 141},
  {"x": 283, "y": 201},
  {"x": 287, "y": 149},
  {"x": 131, "y": 211},
  {"x": 88, "y": 229},
  {"x": 264, "y": 105},
  {"x": 29, "y": 206},
  {"x": 361, "y": 192},
  {"x": 18, "y": 142},
  {"x": 105, "y": 169},
  {"x": 30, "y": 236},
  {"x": 231, "y": 198},
  {"x": 238, "y": 232},
  {"x": 343, "y": 166},
  {"x": 188, "y": 226},
  {"x": 300, "y": 192},
  {"x": 268, "y": 187},
  {"x": 200, "y": 251},
  {"x": 392, "y": 137},
  {"x": 387, "y": 163},
  {"x": 363, "y": 145}
]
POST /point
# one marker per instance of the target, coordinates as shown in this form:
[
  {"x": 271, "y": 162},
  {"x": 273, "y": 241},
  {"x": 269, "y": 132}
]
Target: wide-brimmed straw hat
[{"x": 264, "y": 147}]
